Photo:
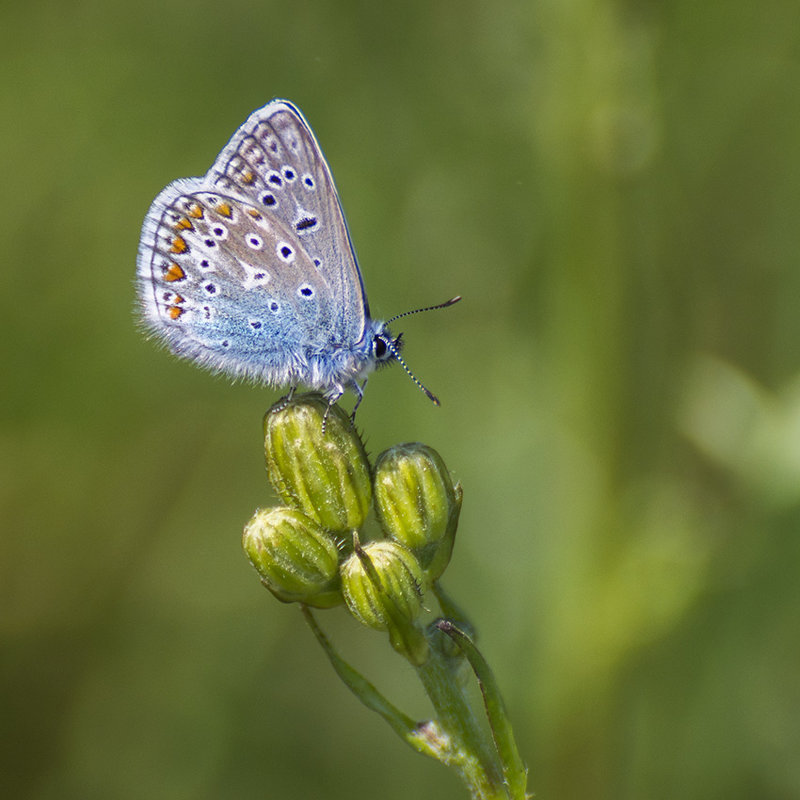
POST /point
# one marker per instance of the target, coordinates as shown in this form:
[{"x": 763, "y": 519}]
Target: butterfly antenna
[
  {"x": 391, "y": 347},
  {"x": 450, "y": 302},
  {"x": 394, "y": 351}
]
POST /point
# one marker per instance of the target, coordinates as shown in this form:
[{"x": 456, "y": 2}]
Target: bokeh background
[{"x": 614, "y": 188}]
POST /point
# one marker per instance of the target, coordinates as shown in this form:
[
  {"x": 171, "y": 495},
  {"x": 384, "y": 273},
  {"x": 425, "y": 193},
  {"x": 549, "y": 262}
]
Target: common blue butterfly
[{"x": 250, "y": 271}]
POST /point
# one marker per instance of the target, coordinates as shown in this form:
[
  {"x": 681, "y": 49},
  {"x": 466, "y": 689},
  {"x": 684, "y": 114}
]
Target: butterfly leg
[
  {"x": 359, "y": 390},
  {"x": 284, "y": 401},
  {"x": 332, "y": 395}
]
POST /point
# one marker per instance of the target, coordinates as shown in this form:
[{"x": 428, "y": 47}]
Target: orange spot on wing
[
  {"x": 196, "y": 211},
  {"x": 247, "y": 177},
  {"x": 179, "y": 245},
  {"x": 174, "y": 273},
  {"x": 179, "y": 299},
  {"x": 183, "y": 224},
  {"x": 254, "y": 214},
  {"x": 224, "y": 209},
  {"x": 174, "y": 312}
]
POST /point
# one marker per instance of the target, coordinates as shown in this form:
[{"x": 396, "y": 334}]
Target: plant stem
[
  {"x": 473, "y": 754},
  {"x": 516, "y": 775}
]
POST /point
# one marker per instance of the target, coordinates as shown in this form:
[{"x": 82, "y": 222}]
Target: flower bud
[
  {"x": 298, "y": 560},
  {"x": 317, "y": 463},
  {"x": 417, "y": 503},
  {"x": 382, "y": 584}
]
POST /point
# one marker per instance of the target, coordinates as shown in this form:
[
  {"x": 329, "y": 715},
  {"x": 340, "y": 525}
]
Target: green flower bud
[
  {"x": 417, "y": 503},
  {"x": 298, "y": 560},
  {"x": 323, "y": 473},
  {"x": 382, "y": 584}
]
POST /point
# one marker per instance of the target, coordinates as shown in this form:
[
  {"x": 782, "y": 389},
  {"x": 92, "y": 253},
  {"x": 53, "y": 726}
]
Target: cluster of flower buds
[{"x": 314, "y": 550}]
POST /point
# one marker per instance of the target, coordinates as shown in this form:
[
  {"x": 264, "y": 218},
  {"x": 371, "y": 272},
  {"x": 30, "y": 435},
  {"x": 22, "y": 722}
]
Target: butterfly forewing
[{"x": 274, "y": 162}]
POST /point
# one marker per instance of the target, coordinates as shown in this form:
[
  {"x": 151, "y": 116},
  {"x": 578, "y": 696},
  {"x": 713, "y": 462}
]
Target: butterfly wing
[
  {"x": 250, "y": 269},
  {"x": 274, "y": 159}
]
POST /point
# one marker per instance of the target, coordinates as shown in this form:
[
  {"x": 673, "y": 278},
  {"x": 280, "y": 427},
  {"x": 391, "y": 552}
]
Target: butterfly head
[{"x": 385, "y": 347}]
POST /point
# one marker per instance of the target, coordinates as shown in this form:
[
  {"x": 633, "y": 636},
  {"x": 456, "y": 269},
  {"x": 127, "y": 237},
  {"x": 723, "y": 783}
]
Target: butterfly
[{"x": 250, "y": 270}]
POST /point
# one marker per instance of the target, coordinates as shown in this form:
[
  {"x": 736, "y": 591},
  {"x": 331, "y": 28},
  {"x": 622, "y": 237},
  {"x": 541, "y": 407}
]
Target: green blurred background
[{"x": 614, "y": 188}]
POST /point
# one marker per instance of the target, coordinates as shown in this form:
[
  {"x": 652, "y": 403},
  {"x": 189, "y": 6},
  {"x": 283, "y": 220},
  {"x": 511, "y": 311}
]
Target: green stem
[
  {"x": 513, "y": 769},
  {"x": 425, "y": 738},
  {"x": 474, "y": 755},
  {"x": 451, "y": 610},
  {"x": 458, "y": 738}
]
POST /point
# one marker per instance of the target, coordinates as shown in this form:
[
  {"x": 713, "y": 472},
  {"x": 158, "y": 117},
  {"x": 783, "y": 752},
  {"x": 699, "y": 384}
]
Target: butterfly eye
[{"x": 379, "y": 347}]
